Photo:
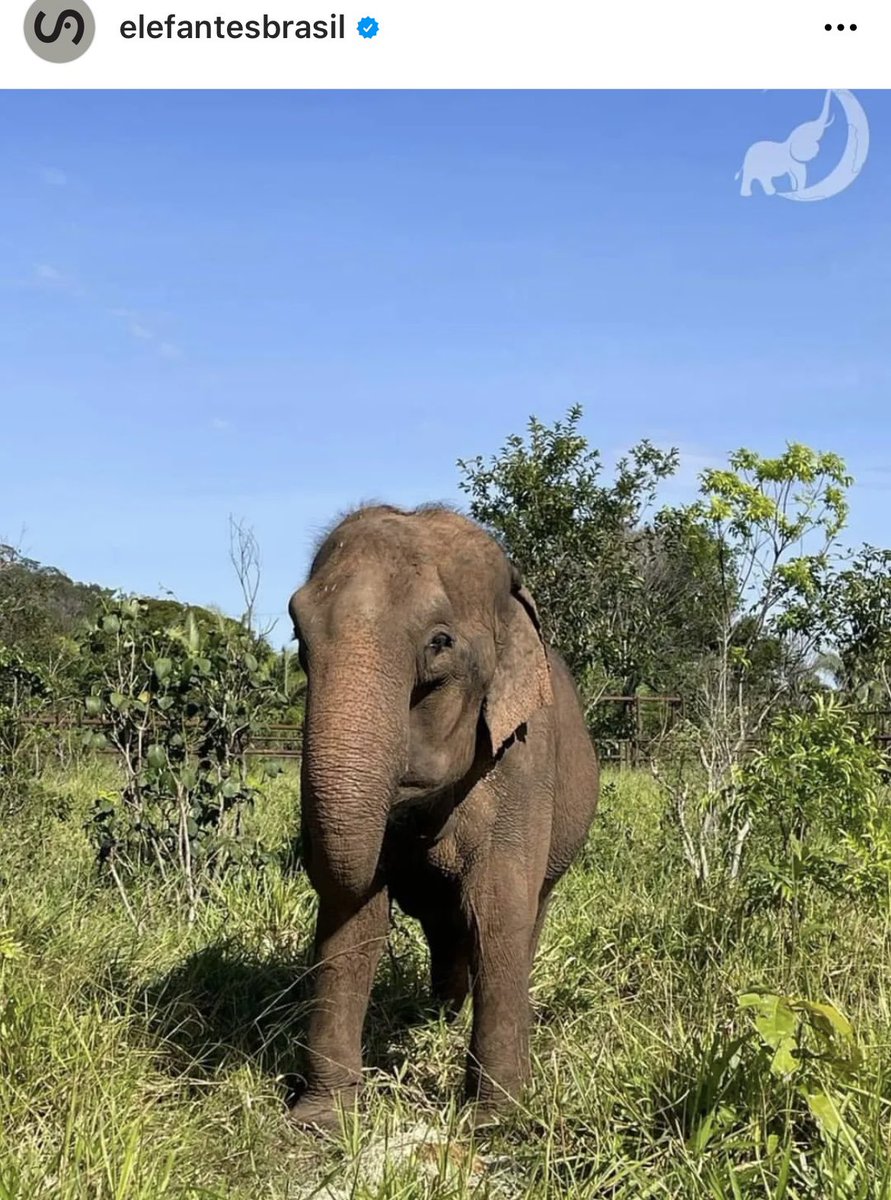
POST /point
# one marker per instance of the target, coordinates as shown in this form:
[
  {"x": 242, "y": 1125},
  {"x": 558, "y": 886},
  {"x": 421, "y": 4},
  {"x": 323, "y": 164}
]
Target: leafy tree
[
  {"x": 41, "y": 609},
  {"x": 628, "y": 598},
  {"x": 578, "y": 542},
  {"x": 855, "y": 606},
  {"x": 812, "y": 793},
  {"x": 762, "y": 512},
  {"x": 178, "y": 704}
]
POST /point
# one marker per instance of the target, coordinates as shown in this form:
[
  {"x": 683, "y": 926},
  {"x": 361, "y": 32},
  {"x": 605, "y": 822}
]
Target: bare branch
[{"x": 244, "y": 554}]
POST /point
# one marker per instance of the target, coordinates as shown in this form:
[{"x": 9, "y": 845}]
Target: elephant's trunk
[
  {"x": 355, "y": 748},
  {"x": 823, "y": 118}
]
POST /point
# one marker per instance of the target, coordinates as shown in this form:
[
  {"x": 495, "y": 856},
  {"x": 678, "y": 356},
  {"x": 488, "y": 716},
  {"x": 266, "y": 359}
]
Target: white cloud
[
  {"x": 138, "y": 329},
  {"x": 135, "y": 326},
  {"x": 47, "y": 276}
]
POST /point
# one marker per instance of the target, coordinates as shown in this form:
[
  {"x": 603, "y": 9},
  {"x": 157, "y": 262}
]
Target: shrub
[
  {"x": 178, "y": 705},
  {"x": 813, "y": 794}
]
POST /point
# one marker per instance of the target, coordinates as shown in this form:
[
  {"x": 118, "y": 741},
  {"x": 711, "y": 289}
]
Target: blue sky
[{"x": 278, "y": 304}]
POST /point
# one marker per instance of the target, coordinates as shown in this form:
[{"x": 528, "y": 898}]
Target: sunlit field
[{"x": 145, "y": 1058}]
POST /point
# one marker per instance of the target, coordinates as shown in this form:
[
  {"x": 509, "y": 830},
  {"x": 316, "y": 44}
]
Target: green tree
[
  {"x": 777, "y": 522},
  {"x": 812, "y": 793},
  {"x": 855, "y": 603},
  {"x": 41, "y": 609},
  {"x": 577, "y": 540},
  {"x": 625, "y": 596},
  {"x": 178, "y": 703}
]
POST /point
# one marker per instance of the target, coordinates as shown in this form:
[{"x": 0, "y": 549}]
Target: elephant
[
  {"x": 766, "y": 161},
  {"x": 446, "y": 767}
]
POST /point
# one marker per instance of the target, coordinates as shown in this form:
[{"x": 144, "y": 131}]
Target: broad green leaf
[
  {"x": 749, "y": 999},
  {"x": 784, "y": 1061},
  {"x": 188, "y": 777},
  {"x": 156, "y": 756},
  {"x": 776, "y": 1020},
  {"x": 825, "y": 1112},
  {"x": 831, "y": 1017}
]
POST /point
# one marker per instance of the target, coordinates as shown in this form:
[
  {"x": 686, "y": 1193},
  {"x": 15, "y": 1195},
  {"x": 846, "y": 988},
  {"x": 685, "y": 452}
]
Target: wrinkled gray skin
[{"x": 446, "y": 765}]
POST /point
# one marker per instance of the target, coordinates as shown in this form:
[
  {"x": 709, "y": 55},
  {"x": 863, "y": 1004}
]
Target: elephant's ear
[{"x": 522, "y": 681}]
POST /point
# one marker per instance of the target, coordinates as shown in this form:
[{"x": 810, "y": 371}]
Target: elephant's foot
[
  {"x": 489, "y": 1102},
  {"x": 485, "y": 1114},
  {"x": 321, "y": 1111}
]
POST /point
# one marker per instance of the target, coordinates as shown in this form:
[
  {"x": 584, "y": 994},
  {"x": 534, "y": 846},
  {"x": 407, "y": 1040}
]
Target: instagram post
[{"x": 445, "y": 603}]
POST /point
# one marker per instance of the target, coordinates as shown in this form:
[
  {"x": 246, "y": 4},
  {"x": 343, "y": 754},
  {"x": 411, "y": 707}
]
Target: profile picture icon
[{"x": 59, "y": 30}]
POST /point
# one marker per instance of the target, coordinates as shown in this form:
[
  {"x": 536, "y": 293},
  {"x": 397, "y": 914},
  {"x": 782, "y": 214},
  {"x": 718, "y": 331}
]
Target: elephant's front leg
[
  {"x": 503, "y": 922},
  {"x": 798, "y": 176},
  {"x": 349, "y": 941}
]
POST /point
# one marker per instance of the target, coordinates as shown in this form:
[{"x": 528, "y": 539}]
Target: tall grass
[{"x": 146, "y": 1058}]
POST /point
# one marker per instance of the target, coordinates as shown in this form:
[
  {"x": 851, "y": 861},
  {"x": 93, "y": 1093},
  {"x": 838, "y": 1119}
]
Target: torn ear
[{"x": 522, "y": 681}]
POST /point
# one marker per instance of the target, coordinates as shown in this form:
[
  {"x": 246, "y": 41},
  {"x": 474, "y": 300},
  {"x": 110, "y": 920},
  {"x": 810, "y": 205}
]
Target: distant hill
[{"x": 41, "y": 606}]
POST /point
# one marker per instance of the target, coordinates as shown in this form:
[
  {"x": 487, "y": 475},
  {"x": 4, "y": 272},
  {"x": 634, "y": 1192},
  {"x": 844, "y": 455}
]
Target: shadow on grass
[{"x": 223, "y": 1007}]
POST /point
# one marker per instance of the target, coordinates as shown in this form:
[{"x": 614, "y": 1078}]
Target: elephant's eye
[{"x": 441, "y": 641}]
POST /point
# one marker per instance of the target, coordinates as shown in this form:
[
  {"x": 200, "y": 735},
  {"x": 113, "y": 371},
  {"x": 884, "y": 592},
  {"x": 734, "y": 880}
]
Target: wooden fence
[{"x": 639, "y": 720}]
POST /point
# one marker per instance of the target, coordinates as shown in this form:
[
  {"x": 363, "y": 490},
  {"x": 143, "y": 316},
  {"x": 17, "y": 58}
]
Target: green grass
[{"x": 150, "y": 1060}]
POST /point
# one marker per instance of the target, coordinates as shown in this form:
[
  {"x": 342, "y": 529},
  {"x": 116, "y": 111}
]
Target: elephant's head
[
  {"x": 804, "y": 141},
  {"x": 424, "y": 656}
]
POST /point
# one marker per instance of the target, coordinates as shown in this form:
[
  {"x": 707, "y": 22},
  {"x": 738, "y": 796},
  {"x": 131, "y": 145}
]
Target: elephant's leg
[
  {"x": 349, "y": 942},
  {"x": 448, "y": 937},
  {"x": 767, "y": 185},
  {"x": 498, "y": 1062},
  {"x": 544, "y": 900}
]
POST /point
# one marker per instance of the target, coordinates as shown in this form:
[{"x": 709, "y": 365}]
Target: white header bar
[{"x": 421, "y": 44}]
